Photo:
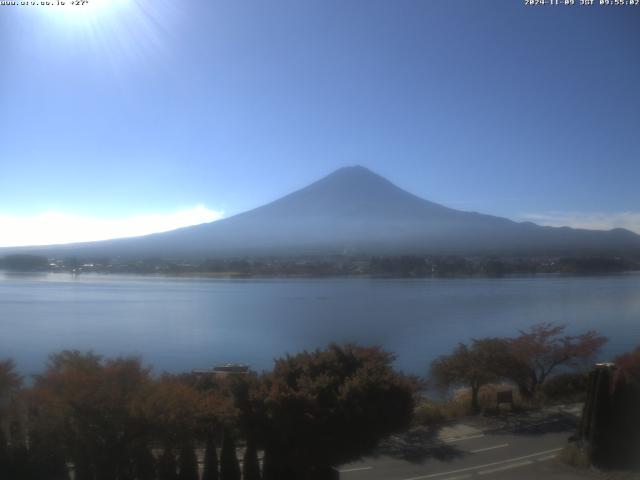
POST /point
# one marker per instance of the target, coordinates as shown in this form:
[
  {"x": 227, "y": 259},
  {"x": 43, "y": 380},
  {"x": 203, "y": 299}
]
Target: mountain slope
[{"x": 354, "y": 210}]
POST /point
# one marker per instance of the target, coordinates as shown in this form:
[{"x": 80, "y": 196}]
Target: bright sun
[
  {"x": 129, "y": 31},
  {"x": 85, "y": 10}
]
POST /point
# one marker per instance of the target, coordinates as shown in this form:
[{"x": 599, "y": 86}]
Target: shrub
[
  {"x": 574, "y": 456},
  {"x": 427, "y": 413}
]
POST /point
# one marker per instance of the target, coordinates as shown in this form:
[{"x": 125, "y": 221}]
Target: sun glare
[
  {"x": 81, "y": 11},
  {"x": 124, "y": 32},
  {"x": 54, "y": 227}
]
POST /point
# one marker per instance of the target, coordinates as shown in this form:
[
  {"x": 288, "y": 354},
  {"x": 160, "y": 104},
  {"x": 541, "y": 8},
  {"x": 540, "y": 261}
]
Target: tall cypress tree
[
  {"x": 210, "y": 460},
  {"x": 167, "y": 468},
  {"x": 144, "y": 464},
  {"x": 82, "y": 469},
  {"x": 187, "y": 463},
  {"x": 4, "y": 455},
  {"x": 268, "y": 468},
  {"x": 57, "y": 466},
  {"x": 47, "y": 459},
  {"x": 19, "y": 465},
  {"x": 251, "y": 464},
  {"x": 229, "y": 466}
]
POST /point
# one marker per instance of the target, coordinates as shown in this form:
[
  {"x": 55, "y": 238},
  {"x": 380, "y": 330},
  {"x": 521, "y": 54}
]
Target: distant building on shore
[{"x": 222, "y": 370}]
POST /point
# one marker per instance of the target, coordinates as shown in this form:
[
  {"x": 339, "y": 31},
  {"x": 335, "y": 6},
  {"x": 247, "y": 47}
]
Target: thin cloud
[
  {"x": 591, "y": 221},
  {"x": 53, "y": 227}
]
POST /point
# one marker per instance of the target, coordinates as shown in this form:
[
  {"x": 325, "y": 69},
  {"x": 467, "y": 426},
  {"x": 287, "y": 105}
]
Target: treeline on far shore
[
  {"x": 395, "y": 266},
  {"x": 92, "y": 418}
]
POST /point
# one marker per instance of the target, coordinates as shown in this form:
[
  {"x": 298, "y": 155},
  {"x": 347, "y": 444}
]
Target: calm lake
[{"x": 178, "y": 324}]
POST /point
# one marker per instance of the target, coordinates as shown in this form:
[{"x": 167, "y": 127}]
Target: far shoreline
[
  {"x": 244, "y": 276},
  {"x": 416, "y": 266}
]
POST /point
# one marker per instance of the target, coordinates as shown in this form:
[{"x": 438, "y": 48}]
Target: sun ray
[{"x": 121, "y": 30}]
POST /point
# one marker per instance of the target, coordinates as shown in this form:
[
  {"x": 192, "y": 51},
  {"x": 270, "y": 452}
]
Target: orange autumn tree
[
  {"x": 182, "y": 413},
  {"x": 471, "y": 366},
  {"x": 544, "y": 348},
  {"x": 528, "y": 360},
  {"x": 628, "y": 368},
  {"x": 85, "y": 405}
]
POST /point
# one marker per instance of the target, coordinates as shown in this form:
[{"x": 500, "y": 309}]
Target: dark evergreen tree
[
  {"x": 251, "y": 466},
  {"x": 56, "y": 466},
  {"x": 109, "y": 464},
  {"x": 210, "y": 461},
  {"x": 325, "y": 408},
  {"x": 19, "y": 465},
  {"x": 229, "y": 467},
  {"x": 4, "y": 453},
  {"x": 144, "y": 464},
  {"x": 167, "y": 468},
  {"x": 187, "y": 463},
  {"x": 610, "y": 429},
  {"x": 46, "y": 459},
  {"x": 82, "y": 468},
  {"x": 268, "y": 468}
]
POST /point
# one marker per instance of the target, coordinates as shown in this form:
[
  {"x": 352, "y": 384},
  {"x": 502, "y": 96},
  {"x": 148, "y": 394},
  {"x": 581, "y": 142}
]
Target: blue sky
[{"x": 127, "y": 111}]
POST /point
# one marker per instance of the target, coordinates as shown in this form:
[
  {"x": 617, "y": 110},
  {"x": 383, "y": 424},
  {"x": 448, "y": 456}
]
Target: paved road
[{"x": 463, "y": 452}]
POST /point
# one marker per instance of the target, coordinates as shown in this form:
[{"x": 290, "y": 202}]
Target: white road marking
[
  {"x": 505, "y": 467},
  {"x": 460, "y": 439},
  {"x": 357, "y": 469},
  {"x": 460, "y": 477},
  {"x": 548, "y": 457},
  {"x": 489, "y": 448},
  {"x": 478, "y": 467}
]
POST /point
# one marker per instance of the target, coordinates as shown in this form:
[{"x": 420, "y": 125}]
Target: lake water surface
[{"x": 178, "y": 324}]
